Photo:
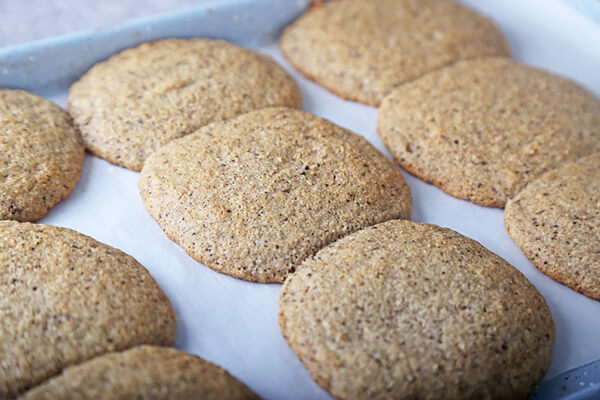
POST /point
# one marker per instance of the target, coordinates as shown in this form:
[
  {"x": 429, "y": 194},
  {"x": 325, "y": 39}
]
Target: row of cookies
[
  {"x": 123, "y": 109},
  {"x": 397, "y": 309},
  {"x": 64, "y": 301},
  {"x": 81, "y": 319},
  {"x": 481, "y": 128}
]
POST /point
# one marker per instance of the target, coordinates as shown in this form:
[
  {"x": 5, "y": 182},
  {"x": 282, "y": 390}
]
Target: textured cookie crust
[
  {"x": 136, "y": 101},
  {"x": 254, "y": 196},
  {"x": 482, "y": 129},
  {"x": 555, "y": 220},
  {"x": 362, "y": 49},
  {"x": 144, "y": 372},
  {"x": 65, "y": 298},
  {"x": 403, "y": 310},
  {"x": 41, "y": 155}
]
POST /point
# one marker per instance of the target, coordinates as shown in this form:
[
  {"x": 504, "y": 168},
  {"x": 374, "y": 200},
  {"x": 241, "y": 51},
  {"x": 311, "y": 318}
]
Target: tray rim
[{"x": 27, "y": 65}]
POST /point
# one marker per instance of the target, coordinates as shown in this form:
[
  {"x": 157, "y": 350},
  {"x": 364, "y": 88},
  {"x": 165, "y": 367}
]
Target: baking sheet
[{"x": 232, "y": 322}]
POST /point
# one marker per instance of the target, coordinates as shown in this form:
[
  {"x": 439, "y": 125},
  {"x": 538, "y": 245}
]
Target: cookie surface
[
  {"x": 144, "y": 372},
  {"x": 65, "y": 298},
  {"x": 136, "y": 101},
  {"x": 41, "y": 155},
  {"x": 482, "y": 129},
  {"x": 555, "y": 220},
  {"x": 361, "y": 49},
  {"x": 255, "y": 195},
  {"x": 404, "y": 310}
]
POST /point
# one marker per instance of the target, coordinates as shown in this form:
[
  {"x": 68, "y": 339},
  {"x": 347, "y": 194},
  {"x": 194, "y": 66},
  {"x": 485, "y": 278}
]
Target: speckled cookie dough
[
  {"x": 254, "y": 196},
  {"x": 144, "y": 372},
  {"x": 41, "y": 155},
  {"x": 131, "y": 104},
  {"x": 482, "y": 129},
  {"x": 362, "y": 49},
  {"x": 555, "y": 220},
  {"x": 65, "y": 298},
  {"x": 405, "y": 310}
]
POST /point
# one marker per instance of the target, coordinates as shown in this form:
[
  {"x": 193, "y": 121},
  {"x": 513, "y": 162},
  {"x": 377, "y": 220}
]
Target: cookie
[
  {"x": 254, "y": 196},
  {"x": 405, "y": 310},
  {"x": 555, "y": 220},
  {"x": 362, "y": 49},
  {"x": 136, "y": 101},
  {"x": 482, "y": 129},
  {"x": 41, "y": 155},
  {"x": 144, "y": 372},
  {"x": 65, "y": 298}
]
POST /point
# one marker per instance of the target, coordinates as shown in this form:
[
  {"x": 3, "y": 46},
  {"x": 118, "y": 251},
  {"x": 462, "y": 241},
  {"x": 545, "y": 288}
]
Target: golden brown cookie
[
  {"x": 362, "y": 49},
  {"x": 555, "y": 220},
  {"x": 254, "y": 196},
  {"x": 482, "y": 129},
  {"x": 65, "y": 298},
  {"x": 404, "y": 310},
  {"x": 144, "y": 97},
  {"x": 144, "y": 372},
  {"x": 41, "y": 155}
]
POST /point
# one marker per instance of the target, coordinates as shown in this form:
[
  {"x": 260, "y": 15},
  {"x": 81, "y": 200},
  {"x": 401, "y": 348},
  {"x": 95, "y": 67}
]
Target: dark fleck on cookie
[
  {"x": 254, "y": 196},
  {"x": 362, "y": 49},
  {"x": 139, "y": 99},
  {"x": 41, "y": 155},
  {"x": 66, "y": 298},
  {"x": 404, "y": 310},
  {"x": 144, "y": 372},
  {"x": 482, "y": 129},
  {"x": 555, "y": 220}
]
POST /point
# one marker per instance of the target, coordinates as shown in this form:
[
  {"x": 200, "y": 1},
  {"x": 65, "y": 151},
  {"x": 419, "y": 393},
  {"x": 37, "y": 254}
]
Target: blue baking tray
[{"x": 49, "y": 66}]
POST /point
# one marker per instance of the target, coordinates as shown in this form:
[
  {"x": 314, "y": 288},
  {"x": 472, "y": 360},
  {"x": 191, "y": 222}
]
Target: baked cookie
[
  {"x": 65, "y": 298},
  {"x": 555, "y": 220},
  {"x": 404, "y": 310},
  {"x": 41, "y": 155},
  {"x": 136, "y": 101},
  {"x": 254, "y": 196},
  {"x": 482, "y": 129},
  {"x": 362, "y": 49},
  {"x": 144, "y": 372}
]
